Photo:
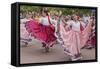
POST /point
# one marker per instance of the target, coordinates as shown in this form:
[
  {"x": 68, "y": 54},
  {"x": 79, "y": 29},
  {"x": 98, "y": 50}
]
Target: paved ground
[{"x": 34, "y": 53}]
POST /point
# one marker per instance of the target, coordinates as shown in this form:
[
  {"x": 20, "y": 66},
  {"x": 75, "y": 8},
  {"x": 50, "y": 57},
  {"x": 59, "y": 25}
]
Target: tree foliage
[{"x": 65, "y": 11}]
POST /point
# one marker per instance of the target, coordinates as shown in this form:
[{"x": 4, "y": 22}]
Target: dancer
[
  {"x": 92, "y": 38},
  {"x": 73, "y": 37},
  {"x": 24, "y": 35},
  {"x": 43, "y": 31}
]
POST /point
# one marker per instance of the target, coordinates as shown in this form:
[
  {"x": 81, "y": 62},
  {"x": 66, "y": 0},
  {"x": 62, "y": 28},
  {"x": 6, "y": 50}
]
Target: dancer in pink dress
[
  {"x": 43, "y": 31},
  {"x": 24, "y": 35},
  {"x": 74, "y": 37},
  {"x": 92, "y": 38}
]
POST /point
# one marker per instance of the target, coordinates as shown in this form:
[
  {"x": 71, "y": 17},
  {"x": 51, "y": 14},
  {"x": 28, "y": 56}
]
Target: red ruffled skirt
[{"x": 41, "y": 32}]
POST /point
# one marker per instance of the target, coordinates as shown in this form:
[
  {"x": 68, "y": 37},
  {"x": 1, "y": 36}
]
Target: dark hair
[{"x": 45, "y": 10}]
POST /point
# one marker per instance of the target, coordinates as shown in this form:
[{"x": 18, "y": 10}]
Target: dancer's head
[
  {"x": 44, "y": 12},
  {"x": 74, "y": 17},
  {"x": 29, "y": 14}
]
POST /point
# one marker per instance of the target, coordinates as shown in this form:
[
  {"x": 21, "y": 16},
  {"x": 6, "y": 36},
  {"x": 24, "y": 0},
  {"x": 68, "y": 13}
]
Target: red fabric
[
  {"x": 41, "y": 32},
  {"x": 92, "y": 41},
  {"x": 49, "y": 20},
  {"x": 81, "y": 27},
  {"x": 52, "y": 27}
]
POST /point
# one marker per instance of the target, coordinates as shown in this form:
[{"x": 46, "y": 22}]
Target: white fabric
[
  {"x": 75, "y": 25},
  {"x": 85, "y": 19},
  {"x": 44, "y": 21},
  {"x": 23, "y": 21}
]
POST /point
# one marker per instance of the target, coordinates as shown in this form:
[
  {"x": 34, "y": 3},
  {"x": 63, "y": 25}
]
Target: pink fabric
[
  {"x": 84, "y": 35},
  {"x": 23, "y": 32},
  {"x": 74, "y": 41},
  {"x": 92, "y": 40},
  {"x": 71, "y": 40},
  {"x": 41, "y": 32}
]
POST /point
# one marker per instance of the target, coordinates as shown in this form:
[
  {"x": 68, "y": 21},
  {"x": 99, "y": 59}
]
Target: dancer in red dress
[{"x": 43, "y": 31}]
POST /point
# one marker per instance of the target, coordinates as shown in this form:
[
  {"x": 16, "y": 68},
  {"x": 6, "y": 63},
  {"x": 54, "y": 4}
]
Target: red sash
[
  {"x": 81, "y": 27},
  {"x": 51, "y": 26}
]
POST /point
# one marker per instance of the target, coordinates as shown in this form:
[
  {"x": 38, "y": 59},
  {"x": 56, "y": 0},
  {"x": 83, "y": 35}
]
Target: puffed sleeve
[{"x": 23, "y": 21}]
